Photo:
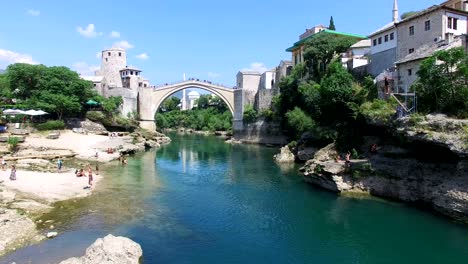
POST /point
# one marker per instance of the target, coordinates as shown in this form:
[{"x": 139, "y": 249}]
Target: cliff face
[{"x": 429, "y": 168}]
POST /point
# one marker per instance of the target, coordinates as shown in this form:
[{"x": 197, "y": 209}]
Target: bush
[
  {"x": 298, "y": 122},
  {"x": 267, "y": 114},
  {"x": 292, "y": 145},
  {"x": 13, "y": 143},
  {"x": 415, "y": 119},
  {"x": 250, "y": 115},
  {"x": 51, "y": 125},
  {"x": 378, "y": 110},
  {"x": 95, "y": 116}
]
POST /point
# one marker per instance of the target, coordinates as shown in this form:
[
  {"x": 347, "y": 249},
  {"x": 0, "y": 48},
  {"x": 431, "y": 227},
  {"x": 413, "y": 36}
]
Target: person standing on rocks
[
  {"x": 59, "y": 164},
  {"x": 90, "y": 176},
  {"x": 3, "y": 163},
  {"x": 13, "y": 173}
]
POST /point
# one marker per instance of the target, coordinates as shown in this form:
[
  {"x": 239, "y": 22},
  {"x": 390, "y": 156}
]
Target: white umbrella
[
  {"x": 13, "y": 112},
  {"x": 35, "y": 113}
]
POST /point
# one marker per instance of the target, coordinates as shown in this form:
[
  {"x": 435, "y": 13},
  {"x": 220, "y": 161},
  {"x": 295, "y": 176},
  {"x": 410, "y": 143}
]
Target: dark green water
[{"x": 199, "y": 200}]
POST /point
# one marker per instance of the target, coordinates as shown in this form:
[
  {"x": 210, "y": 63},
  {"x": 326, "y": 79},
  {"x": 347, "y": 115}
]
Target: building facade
[{"x": 424, "y": 33}]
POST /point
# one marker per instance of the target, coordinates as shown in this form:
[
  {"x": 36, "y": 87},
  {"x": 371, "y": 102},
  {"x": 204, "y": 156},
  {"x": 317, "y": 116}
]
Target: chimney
[{"x": 395, "y": 11}]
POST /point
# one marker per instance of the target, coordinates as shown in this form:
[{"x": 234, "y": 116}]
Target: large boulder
[
  {"x": 109, "y": 250},
  {"x": 285, "y": 156}
]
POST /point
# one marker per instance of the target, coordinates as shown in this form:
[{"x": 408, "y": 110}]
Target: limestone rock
[
  {"x": 284, "y": 156},
  {"x": 110, "y": 250},
  {"x": 306, "y": 154},
  {"x": 93, "y": 127},
  {"x": 51, "y": 234},
  {"x": 327, "y": 153},
  {"x": 14, "y": 229}
]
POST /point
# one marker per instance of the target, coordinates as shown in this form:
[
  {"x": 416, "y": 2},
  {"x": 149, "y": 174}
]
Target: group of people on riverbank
[{"x": 81, "y": 173}]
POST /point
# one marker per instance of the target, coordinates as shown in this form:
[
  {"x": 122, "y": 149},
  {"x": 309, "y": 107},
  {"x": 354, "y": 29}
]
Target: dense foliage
[
  {"x": 210, "y": 114},
  {"x": 56, "y": 90},
  {"x": 51, "y": 125},
  {"x": 442, "y": 85}
]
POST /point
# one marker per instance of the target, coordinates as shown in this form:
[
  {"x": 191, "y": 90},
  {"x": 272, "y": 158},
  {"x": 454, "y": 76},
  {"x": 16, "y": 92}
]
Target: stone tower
[{"x": 112, "y": 61}]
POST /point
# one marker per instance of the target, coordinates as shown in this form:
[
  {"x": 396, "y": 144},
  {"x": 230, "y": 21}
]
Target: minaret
[{"x": 395, "y": 11}]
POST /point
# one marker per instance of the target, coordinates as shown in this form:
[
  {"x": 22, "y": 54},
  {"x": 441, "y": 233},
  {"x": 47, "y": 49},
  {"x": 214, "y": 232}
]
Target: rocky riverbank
[
  {"x": 424, "y": 162},
  {"x": 39, "y": 185}
]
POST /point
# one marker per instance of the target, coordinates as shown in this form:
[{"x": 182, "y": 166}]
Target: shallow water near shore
[{"x": 199, "y": 200}]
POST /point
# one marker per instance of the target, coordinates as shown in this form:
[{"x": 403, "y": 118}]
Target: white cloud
[
  {"x": 122, "y": 44},
  {"x": 33, "y": 12},
  {"x": 8, "y": 57},
  {"x": 89, "y": 31},
  {"x": 84, "y": 69},
  {"x": 256, "y": 67},
  {"x": 213, "y": 75},
  {"x": 142, "y": 56},
  {"x": 99, "y": 55},
  {"x": 114, "y": 34}
]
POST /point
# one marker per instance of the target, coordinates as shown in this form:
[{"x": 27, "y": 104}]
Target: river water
[{"x": 199, "y": 200}]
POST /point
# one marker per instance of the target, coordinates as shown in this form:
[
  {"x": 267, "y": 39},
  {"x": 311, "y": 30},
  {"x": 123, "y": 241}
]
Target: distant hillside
[{"x": 2, "y": 71}]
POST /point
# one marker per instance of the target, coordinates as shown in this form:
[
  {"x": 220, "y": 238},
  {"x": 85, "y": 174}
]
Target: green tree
[
  {"x": 322, "y": 49},
  {"x": 250, "y": 115},
  {"x": 442, "y": 83},
  {"x": 331, "y": 26},
  {"x": 298, "y": 122},
  {"x": 59, "y": 104},
  {"x": 111, "y": 104},
  {"x": 203, "y": 101},
  {"x": 408, "y": 14},
  {"x": 170, "y": 104}
]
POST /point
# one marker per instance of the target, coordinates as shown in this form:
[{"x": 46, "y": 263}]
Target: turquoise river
[{"x": 199, "y": 200}]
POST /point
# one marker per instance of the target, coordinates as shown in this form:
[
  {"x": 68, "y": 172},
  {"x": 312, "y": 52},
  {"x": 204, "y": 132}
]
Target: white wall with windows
[
  {"x": 456, "y": 24},
  {"x": 384, "y": 41}
]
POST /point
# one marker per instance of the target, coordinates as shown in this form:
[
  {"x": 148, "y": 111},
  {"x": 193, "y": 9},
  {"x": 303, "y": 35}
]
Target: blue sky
[{"x": 206, "y": 39}]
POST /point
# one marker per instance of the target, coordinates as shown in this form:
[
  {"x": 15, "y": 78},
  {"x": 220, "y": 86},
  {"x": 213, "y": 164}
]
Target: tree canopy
[
  {"x": 442, "y": 84},
  {"x": 55, "y": 89}
]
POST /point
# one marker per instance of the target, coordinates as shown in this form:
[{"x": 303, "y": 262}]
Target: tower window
[
  {"x": 386, "y": 38},
  {"x": 380, "y": 40},
  {"x": 108, "y": 53},
  {"x": 131, "y": 72},
  {"x": 106, "y": 59},
  {"x": 410, "y": 51},
  {"x": 410, "y": 72},
  {"x": 392, "y": 36},
  {"x": 411, "y": 31},
  {"x": 120, "y": 54},
  {"x": 375, "y": 42}
]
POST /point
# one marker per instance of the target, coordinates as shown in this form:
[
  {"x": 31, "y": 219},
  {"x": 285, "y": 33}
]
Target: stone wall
[
  {"x": 263, "y": 99},
  {"x": 382, "y": 61},
  {"x": 260, "y": 132}
]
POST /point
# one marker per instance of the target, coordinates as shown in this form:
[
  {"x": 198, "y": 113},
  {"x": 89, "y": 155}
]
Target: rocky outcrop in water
[
  {"x": 285, "y": 155},
  {"x": 110, "y": 250},
  {"x": 393, "y": 173}
]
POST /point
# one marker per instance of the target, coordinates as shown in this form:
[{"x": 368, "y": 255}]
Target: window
[
  {"x": 131, "y": 72},
  {"x": 392, "y": 36},
  {"x": 108, "y": 53},
  {"x": 386, "y": 38},
  {"x": 120, "y": 54},
  {"x": 380, "y": 40},
  {"x": 411, "y": 51},
  {"x": 375, "y": 42},
  {"x": 427, "y": 25},
  {"x": 106, "y": 59},
  {"x": 411, "y": 30},
  {"x": 452, "y": 23},
  {"x": 410, "y": 72}
]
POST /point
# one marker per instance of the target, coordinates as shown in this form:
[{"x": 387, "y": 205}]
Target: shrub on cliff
[
  {"x": 378, "y": 111},
  {"x": 298, "y": 122},
  {"x": 95, "y": 116}
]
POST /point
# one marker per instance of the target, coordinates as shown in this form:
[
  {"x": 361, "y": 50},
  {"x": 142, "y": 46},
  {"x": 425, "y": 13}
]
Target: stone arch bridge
[{"x": 150, "y": 99}]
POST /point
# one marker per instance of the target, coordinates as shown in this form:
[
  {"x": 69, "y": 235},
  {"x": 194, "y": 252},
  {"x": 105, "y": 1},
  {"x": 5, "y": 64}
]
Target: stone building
[
  {"x": 116, "y": 78},
  {"x": 427, "y": 30}
]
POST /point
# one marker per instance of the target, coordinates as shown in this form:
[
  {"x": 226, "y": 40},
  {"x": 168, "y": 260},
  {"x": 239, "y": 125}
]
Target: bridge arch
[{"x": 150, "y": 99}]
